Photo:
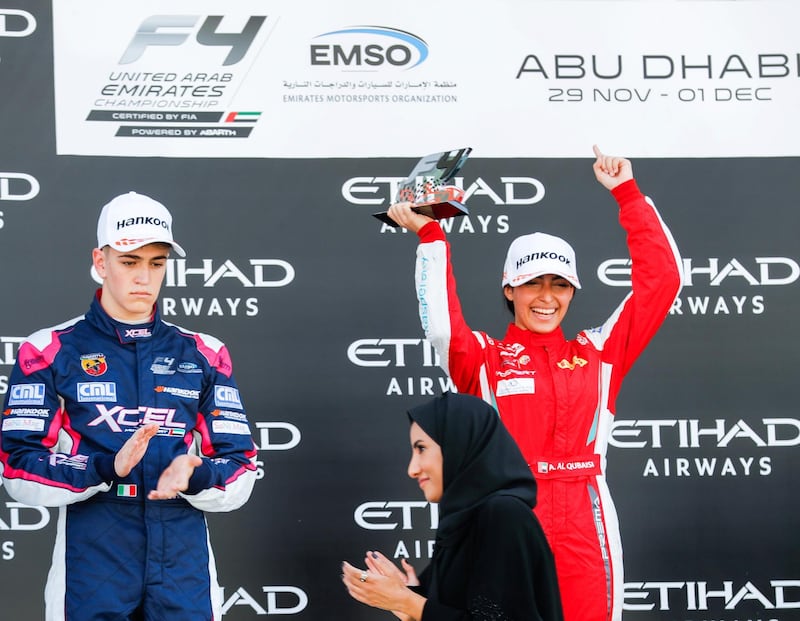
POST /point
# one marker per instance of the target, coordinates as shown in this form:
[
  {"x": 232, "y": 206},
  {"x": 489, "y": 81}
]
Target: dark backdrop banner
[{"x": 315, "y": 298}]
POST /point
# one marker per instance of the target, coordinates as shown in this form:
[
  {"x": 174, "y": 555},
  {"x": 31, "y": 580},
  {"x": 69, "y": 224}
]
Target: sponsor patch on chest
[
  {"x": 572, "y": 364},
  {"x": 515, "y": 386}
]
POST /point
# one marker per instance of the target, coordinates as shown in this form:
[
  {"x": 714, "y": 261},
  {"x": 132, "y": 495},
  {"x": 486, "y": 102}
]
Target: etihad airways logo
[
  {"x": 391, "y": 352},
  {"x": 701, "y": 595},
  {"x": 749, "y": 438},
  {"x": 760, "y": 271},
  {"x": 210, "y": 272},
  {"x": 256, "y": 273},
  {"x": 260, "y": 273},
  {"x": 716, "y": 272},
  {"x": 397, "y": 353},
  {"x": 397, "y": 514},
  {"x": 272, "y": 600},
  {"x": 694, "y": 433},
  {"x": 508, "y": 190},
  {"x": 16, "y": 23},
  {"x": 18, "y": 186},
  {"x": 17, "y": 516},
  {"x": 404, "y": 516}
]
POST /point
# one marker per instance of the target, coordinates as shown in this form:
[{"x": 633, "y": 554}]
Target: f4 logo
[{"x": 179, "y": 28}]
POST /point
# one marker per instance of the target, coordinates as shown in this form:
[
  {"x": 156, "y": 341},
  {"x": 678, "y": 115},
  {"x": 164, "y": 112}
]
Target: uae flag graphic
[
  {"x": 126, "y": 490},
  {"x": 242, "y": 117}
]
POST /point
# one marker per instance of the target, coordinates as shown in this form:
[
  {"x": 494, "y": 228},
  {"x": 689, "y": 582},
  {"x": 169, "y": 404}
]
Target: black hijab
[{"x": 480, "y": 459}]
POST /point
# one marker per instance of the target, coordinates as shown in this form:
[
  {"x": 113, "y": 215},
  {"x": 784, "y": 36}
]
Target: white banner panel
[{"x": 359, "y": 78}]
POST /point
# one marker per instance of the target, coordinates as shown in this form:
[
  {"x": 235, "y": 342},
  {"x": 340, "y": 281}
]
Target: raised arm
[
  {"x": 656, "y": 270},
  {"x": 440, "y": 314}
]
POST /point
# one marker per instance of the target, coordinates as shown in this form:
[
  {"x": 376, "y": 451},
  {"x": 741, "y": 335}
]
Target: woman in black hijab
[{"x": 491, "y": 560}]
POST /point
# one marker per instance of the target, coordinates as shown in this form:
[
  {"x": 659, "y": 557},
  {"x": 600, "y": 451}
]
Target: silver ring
[{"x": 363, "y": 577}]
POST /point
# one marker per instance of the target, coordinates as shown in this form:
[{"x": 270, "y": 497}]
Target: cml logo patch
[
  {"x": 94, "y": 364},
  {"x": 227, "y": 397},
  {"x": 91, "y": 392},
  {"x": 26, "y": 394}
]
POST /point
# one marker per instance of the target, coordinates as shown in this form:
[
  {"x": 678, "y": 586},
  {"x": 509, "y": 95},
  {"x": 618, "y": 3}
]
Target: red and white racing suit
[{"x": 557, "y": 397}]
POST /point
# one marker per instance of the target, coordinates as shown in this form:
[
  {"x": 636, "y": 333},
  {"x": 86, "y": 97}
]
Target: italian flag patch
[{"x": 126, "y": 490}]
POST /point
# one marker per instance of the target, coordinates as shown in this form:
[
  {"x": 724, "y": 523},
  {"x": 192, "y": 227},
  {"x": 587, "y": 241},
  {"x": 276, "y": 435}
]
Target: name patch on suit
[{"x": 516, "y": 386}]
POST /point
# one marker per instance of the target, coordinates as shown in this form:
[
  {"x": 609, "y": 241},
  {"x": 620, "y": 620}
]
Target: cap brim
[
  {"x": 521, "y": 279},
  {"x": 152, "y": 240}
]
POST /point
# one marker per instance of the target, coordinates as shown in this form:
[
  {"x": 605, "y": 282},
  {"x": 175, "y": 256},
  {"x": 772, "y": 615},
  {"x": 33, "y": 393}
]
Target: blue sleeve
[
  {"x": 222, "y": 438},
  {"x": 39, "y": 463}
]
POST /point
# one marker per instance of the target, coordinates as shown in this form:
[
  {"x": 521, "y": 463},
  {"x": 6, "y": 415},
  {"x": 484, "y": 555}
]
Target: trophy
[{"x": 426, "y": 187}]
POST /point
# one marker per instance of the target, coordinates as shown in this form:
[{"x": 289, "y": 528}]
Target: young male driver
[{"x": 134, "y": 428}]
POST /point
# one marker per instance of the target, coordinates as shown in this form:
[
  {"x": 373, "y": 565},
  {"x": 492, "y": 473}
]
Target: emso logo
[
  {"x": 178, "y": 29},
  {"x": 368, "y": 48}
]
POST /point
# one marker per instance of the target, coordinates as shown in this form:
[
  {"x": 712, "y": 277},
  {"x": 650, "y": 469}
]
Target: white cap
[
  {"x": 536, "y": 254},
  {"x": 133, "y": 220},
  {"x": 130, "y": 221}
]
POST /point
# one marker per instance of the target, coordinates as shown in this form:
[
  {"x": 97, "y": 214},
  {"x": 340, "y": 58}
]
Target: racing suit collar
[
  {"x": 125, "y": 332},
  {"x": 551, "y": 339}
]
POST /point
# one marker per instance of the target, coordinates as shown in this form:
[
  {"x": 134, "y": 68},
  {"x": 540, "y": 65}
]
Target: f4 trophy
[{"x": 426, "y": 187}]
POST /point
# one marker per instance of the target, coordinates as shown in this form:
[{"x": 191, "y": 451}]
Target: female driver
[{"x": 557, "y": 396}]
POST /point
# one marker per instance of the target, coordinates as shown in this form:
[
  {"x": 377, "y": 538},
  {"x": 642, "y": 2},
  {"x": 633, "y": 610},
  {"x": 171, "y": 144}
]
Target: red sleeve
[
  {"x": 460, "y": 350},
  {"x": 656, "y": 280}
]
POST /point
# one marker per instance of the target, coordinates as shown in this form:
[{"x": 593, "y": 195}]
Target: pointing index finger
[{"x": 597, "y": 151}]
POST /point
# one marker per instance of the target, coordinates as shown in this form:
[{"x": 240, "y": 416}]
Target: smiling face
[
  {"x": 541, "y": 303},
  {"x": 426, "y": 464},
  {"x": 131, "y": 280}
]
